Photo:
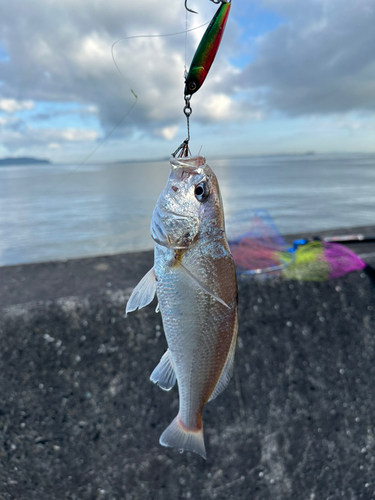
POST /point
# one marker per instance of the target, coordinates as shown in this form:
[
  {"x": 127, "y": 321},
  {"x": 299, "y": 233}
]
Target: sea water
[{"x": 50, "y": 212}]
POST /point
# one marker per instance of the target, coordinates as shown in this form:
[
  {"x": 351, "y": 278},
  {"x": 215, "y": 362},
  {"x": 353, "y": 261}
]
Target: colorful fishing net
[
  {"x": 321, "y": 261},
  {"x": 262, "y": 250}
]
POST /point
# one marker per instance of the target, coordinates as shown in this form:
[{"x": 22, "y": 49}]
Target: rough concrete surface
[{"x": 79, "y": 418}]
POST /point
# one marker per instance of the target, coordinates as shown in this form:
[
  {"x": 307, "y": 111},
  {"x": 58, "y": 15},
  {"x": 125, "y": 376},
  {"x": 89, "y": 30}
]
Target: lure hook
[
  {"x": 214, "y": 1},
  {"x": 190, "y": 10}
]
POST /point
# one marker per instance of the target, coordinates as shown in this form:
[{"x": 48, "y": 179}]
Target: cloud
[
  {"x": 16, "y": 134},
  {"x": 168, "y": 133},
  {"x": 321, "y": 61},
  {"x": 61, "y": 52},
  {"x": 12, "y": 105},
  {"x": 74, "y": 134}
]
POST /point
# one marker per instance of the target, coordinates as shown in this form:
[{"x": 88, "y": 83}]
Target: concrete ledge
[{"x": 79, "y": 418}]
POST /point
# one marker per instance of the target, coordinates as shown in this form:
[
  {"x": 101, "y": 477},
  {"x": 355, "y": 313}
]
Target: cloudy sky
[{"x": 291, "y": 76}]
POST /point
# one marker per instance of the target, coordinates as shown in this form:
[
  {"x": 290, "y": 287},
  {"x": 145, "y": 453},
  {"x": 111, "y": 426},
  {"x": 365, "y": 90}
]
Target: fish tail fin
[{"x": 178, "y": 436}]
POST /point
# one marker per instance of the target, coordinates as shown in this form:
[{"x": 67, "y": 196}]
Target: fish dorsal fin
[
  {"x": 201, "y": 285},
  {"x": 227, "y": 372},
  {"x": 164, "y": 374},
  {"x": 143, "y": 293}
]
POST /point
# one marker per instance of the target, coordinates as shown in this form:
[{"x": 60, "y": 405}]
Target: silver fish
[{"x": 195, "y": 282}]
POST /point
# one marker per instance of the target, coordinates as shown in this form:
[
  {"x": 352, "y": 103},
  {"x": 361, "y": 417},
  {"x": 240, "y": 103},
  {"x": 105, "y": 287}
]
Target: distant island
[{"x": 23, "y": 161}]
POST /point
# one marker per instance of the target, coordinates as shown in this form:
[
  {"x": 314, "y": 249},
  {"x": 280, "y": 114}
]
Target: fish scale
[{"x": 191, "y": 324}]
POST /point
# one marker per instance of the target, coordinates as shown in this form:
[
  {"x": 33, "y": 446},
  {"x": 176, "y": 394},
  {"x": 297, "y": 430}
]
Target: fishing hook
[
  {"x": 187, "y": 8},
  {"x": 214, "y": 1}
]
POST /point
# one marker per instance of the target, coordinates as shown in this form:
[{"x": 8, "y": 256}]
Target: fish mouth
[{"x": 191, "y": 163}]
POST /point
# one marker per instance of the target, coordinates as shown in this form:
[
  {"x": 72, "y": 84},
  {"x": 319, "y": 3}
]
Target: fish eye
[
  {"x": 202, "y": 191},
  {"x": 192, "y": 86}
]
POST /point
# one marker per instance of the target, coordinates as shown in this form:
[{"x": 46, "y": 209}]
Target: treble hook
[{"x": 187, "y": 8}]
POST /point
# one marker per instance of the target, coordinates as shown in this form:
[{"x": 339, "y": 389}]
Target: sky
[{"x": 290, "y": 77}]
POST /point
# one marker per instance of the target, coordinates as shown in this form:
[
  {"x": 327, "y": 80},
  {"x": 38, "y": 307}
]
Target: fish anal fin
[
  {"x": 197, "y": 283},
  {"x": 227, "y": 372},
  {"x": 177, "y": 436},
  {"x": 143, "y": 293},
  {"x": 164, "y": 374}
]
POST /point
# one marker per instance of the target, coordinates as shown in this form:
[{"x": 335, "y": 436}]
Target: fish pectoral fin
[
  {"x": 164, "y": 374},
  {"x": 143, "y": 293},
  {"x": 201, "y": 285},
  {"x": 227, "y": 372}
]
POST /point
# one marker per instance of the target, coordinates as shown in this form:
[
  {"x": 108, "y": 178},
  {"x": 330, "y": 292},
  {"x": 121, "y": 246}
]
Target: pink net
[
  {"x": 260, "y": 247},
  {"x": 341, "y": 260}
]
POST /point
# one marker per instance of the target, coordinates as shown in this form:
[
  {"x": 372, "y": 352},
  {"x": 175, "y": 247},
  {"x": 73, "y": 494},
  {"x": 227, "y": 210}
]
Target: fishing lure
[
  {"x": 207, "y": 50},
  {"x": 201, "y": 64}
]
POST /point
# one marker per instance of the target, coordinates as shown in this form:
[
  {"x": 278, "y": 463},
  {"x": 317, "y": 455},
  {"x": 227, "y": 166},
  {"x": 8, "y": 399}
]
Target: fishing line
[
  {"x": 186, "y": 27},
  {"x": 151, "y": 36},
  {"x": 109, "y": 134}
]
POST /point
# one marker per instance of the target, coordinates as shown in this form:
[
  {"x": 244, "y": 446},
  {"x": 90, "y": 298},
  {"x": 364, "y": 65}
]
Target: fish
[{"x": 194, "y": 280}]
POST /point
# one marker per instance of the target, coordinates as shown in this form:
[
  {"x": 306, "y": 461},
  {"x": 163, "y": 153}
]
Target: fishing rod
[
  {"x": 201, "y": 64},
  {"x": 349, "y": 238}
]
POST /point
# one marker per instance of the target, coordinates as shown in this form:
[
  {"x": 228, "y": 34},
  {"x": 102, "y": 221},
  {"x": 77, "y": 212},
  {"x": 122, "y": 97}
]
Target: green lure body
[{"x": 207, "y": 49}]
